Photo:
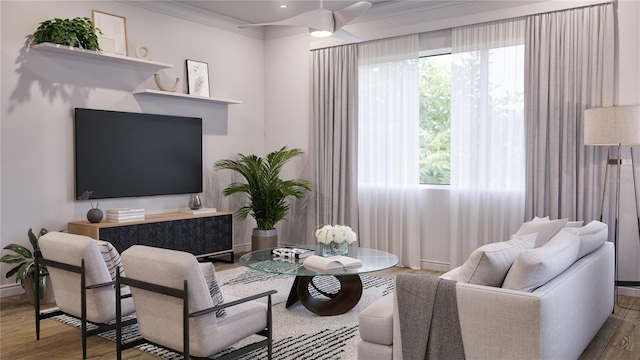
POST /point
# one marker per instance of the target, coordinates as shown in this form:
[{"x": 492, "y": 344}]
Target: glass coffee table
[{"x": 330, "y": 303}]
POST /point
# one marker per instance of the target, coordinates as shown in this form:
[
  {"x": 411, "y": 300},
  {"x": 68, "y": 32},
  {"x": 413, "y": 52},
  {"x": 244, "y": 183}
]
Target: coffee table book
[{"x": 331, "y": 262}]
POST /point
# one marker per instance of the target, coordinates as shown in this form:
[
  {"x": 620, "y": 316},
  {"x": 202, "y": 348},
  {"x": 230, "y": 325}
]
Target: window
[{"x": 435, "y": 119}]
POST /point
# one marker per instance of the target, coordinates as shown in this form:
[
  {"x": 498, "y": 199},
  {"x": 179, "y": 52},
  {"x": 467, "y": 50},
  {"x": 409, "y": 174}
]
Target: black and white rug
[{"x": 298, "y": 333}]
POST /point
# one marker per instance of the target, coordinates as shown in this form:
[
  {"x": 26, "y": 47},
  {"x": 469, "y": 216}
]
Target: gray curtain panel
[
  {"x": 333, "y": 143},
  {"x": 569, "y": 67}
]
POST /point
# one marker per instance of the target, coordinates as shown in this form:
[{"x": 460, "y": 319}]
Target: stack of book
[{"x": 125, "y": 214}]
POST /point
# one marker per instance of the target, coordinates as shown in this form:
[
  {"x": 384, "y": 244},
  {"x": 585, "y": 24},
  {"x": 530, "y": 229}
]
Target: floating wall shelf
[
  {"x": 185, "y": 96},
  {"x": 99, "y": 55}
]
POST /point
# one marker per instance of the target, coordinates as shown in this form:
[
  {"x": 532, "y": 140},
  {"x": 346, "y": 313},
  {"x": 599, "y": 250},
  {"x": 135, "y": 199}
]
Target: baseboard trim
[
  {"x": 242, "y": 248},
  {"x": 628, "y": 291},
  {"x": 11, "y": 290},
  {"x": 434, "y": 265}
]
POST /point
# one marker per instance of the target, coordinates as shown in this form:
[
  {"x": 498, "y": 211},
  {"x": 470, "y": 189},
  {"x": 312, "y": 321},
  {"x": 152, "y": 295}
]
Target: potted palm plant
[
  {"x": 25, "y": 268},
  {"x": 266, "y": 191}
]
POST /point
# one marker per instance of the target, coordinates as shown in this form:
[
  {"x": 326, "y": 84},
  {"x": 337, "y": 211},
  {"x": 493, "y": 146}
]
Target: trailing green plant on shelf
[
  {"x": 79, "y": 32},
  {"x": 25, "y": 259}
]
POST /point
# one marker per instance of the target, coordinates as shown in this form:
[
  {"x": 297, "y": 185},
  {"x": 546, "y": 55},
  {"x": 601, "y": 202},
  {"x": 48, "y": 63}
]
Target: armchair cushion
[
  {"x": 111, "y": 257},
  {"x": 209, "y": 273}
]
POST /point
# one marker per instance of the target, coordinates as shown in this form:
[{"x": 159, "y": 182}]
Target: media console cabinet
[{"x": 203, "y": 235}]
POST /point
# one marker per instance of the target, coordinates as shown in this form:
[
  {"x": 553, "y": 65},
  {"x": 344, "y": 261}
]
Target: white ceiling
[{"x": 261, "y": 11}]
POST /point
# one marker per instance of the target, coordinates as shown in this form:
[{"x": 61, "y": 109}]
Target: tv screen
[{"x": 122, "y": 154}]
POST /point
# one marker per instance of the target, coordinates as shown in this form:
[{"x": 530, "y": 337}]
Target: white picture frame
[
  {"x": 198, "y": 78},
  {"x": 114, "y": 32}
]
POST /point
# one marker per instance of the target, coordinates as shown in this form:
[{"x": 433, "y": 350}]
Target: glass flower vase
[{"x": 334, "y": 248}]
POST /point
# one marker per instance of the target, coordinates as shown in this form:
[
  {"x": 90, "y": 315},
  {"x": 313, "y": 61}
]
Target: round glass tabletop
[{"x": 263, "y": 260}]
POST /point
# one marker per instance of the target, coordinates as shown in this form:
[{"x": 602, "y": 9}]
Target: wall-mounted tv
[{"x": 122, "y": 154}]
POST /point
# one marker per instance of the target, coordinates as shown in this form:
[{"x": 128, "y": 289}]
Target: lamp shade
[{"x": 611, "y": 126}]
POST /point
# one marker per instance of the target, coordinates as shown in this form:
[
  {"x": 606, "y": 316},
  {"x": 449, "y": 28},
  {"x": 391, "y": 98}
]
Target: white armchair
[
  {"x": 175, "y": 308},
  {"x": 82, "y": 283}
]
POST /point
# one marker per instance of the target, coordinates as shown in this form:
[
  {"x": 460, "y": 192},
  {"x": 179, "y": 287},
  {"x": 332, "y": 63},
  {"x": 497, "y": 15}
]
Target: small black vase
[{"x": 94, "y": 215}]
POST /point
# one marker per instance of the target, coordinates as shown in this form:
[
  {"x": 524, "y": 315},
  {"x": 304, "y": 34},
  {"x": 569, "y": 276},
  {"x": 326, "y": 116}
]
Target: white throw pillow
[
  {"x": 592, "y": 236},
  {"x": 574, "y": 224},
  {"x": 545, "y": 229},
  {"x": 209, "y": 273},
  {"x": 488, "y": 264},
  {"x": 534, "y": 268},
  {"x": 111, "y": 257}
]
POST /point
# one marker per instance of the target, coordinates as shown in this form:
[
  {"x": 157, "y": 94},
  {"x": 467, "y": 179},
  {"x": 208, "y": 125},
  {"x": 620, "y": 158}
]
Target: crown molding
[
  {"x": 397, "y": 8},
  {"x": 376, "y": 12},
  {"x": 200, "y": 16}
]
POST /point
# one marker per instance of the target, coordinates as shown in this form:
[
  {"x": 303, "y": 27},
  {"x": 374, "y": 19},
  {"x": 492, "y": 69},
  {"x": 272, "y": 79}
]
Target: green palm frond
[{"x": 266, "y": 192}]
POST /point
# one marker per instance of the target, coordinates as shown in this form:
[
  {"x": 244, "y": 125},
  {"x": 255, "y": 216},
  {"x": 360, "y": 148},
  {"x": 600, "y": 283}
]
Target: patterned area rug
[{"x": 298, "y": 333}]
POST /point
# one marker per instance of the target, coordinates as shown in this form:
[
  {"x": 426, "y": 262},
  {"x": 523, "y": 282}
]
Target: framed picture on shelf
[
  {"x": 198, "y": 78},
  {"x": 114, "y": 32}
]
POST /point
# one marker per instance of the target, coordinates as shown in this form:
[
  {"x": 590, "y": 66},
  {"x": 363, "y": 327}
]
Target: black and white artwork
[{"x": 198, "y": 78}]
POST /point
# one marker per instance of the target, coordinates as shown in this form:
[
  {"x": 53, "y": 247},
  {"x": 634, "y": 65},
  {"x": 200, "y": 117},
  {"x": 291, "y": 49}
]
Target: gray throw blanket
[{"x": 428, "y": 315}]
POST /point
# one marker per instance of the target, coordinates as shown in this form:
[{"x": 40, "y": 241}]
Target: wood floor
[{"x": 619, "y": 338}]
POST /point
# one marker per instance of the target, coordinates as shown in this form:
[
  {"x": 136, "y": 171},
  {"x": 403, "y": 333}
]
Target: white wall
[
  {"x": 39, "y": 91},
  {"x": 628, "y": 93},
  {"x": 435, "y": 220}
]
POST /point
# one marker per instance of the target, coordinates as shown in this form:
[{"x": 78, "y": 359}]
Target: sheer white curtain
[
  {"x": 388, "y": 158},
  {"x": 487, "y": 135}
]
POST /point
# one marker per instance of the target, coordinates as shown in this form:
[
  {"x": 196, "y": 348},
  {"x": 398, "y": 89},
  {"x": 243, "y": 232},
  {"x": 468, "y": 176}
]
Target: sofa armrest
[{"x": 492, "y": 318}]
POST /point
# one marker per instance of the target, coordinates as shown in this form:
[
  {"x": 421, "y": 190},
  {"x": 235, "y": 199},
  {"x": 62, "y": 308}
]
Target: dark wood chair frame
[
  {"x": 83, "y": 301},
  {"x": 184, "y": 295}
]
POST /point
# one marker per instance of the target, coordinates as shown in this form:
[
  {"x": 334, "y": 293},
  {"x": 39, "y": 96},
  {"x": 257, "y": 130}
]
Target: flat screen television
[{"x": 122, "y": 154}]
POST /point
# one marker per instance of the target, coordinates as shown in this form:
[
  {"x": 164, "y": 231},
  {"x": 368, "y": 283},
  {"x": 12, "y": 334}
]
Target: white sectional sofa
[{"x": 555, "y": 321}]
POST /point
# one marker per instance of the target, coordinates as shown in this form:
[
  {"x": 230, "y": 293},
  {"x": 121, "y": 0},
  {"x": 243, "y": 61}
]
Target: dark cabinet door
[{"x": 203, "y": 235}]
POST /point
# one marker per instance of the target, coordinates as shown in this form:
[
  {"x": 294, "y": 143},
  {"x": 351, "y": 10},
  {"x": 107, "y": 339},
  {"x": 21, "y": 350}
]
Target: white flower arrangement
[{"x": 335, "y": 233}]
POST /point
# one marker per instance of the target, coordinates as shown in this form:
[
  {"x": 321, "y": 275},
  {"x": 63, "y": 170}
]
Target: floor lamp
[{"x": 614, "y": 126}]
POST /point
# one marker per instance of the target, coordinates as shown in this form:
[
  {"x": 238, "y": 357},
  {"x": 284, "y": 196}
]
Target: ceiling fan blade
[
  {"x": 318, "y": 19},
  {"x": 343, "y": 34},
  {"x": 345, "y": 15}
]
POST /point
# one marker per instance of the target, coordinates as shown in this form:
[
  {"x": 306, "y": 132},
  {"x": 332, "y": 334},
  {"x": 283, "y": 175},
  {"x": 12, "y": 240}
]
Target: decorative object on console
[
  {"x": 335, "y": 240},
  {"x": 194, "y": 202},
  {"x": 79, "y": 32},
  {"x": 614, "y": 126},
  {"x": 198, "y": 78},
  {"x": 94, "y": 215},
  {"x": 125, "y": 214},
  {"x": 198, "y": 211},
  {"x": 113, "y": 35},
  {"x": 24, "y": 270},
  {"x": 266, "y": 191},
  {"x": 156, "y": 77},
  {"x": 143, "y": 52}
]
